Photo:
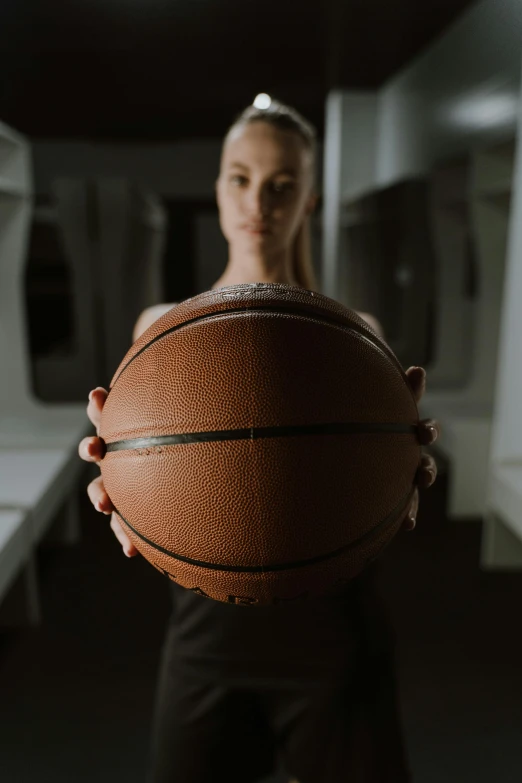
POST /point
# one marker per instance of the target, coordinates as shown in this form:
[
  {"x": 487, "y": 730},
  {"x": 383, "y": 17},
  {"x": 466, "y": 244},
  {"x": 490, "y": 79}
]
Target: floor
[{"x": 76, "y": 693}]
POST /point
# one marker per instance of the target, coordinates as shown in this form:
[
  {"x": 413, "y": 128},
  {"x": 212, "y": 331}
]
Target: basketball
[{"x": 261, "y": 444}]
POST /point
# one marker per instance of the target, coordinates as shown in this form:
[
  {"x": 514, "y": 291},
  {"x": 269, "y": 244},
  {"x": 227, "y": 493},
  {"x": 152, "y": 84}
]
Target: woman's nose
[{"x": 257, "y": 203}]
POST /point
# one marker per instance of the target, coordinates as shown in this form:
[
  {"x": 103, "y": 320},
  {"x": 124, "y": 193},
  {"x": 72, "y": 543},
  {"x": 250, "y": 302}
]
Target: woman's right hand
[{"x": 92, "y": 450}]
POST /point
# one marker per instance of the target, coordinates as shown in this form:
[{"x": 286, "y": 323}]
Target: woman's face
[{"x": 264, "y": 189}]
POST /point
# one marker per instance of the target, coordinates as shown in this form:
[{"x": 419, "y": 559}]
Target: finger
[
  {"x": 127, "y": 545},
  {"x": 426, "y": 472},
  {"x": 97, "y": 399},
  {"x": 99, "y": 497},
  {"x": 428, "y": 431},
  {"x": 410, "y": 520},
  {"x": 417, "y": 379},
  {"x": 92, "y": 449}
]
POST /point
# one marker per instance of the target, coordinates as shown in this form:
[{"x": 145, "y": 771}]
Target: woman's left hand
[{"x": 428, "y": 434}]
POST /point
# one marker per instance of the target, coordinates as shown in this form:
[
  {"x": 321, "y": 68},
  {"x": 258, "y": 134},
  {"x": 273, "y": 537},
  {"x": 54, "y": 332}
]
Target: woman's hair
[{"x": 288, "y": 119}]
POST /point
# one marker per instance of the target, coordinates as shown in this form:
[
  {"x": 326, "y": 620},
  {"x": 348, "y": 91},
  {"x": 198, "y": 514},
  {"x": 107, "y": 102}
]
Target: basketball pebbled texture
[{"x": 261, "y": 444}]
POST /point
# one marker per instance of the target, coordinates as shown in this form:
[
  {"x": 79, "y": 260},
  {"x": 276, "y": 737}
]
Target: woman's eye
[
  {"x": 282, "y": 187},
  {"x": 238, "y": 179}
]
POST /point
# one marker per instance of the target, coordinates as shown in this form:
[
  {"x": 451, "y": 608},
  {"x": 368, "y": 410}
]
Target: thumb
[{"x": 97, "y": 399}]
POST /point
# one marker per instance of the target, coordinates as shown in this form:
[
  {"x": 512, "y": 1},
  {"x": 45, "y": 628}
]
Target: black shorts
[{"x": 206, "y": 731}]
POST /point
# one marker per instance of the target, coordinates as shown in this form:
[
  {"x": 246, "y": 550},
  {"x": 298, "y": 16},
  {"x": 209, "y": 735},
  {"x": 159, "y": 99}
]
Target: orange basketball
[{"x": 261, "y": 444}]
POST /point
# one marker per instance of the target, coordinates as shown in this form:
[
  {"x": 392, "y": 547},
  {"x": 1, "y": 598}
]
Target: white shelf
[
  {"x": 350, "y": 198},
  {"x": 45, "y": 427},
  {"x": 15, "y": 545},
  {"x": 493, "y": 173},
  {"x": 499, "y": 187},
  {"x": 498, "y": 193},
  {"x": 15, "y": 178},
  {"x": 505, "y": 494},
  {"x": 10, "y": 188},
  {"x": 37, "y": 482},
  {"x": 464, "y": 440},
  {"x": 10, "y": 136}
]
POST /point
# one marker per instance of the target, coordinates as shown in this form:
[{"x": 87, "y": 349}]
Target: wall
[
  {"x": 507, "y": 429},
  {"x": 186, "y": 170},
  {"x": 462, "y": 91},
  {"x": 351, "y": 125}
]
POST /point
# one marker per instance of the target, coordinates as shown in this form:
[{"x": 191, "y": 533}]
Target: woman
[{"x": 311, "y": 685}]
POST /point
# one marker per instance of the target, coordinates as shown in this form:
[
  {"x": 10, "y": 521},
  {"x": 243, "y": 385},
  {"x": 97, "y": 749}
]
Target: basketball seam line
[
  {"x": 255, "y": 433},
  {"x": 392, "y": 517},
  {"x": 370, "y": 336}
]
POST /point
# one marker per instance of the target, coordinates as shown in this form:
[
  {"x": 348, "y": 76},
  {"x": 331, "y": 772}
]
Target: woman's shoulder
[
  {"x": 151, "y": 314},
  {"x": 148, "y": 317},
  {"x": 372, "y": 321}
]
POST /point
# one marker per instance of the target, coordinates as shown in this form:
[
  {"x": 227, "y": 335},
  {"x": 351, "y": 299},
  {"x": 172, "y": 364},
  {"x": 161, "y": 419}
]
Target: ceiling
[{"x": 133, "y": 70}]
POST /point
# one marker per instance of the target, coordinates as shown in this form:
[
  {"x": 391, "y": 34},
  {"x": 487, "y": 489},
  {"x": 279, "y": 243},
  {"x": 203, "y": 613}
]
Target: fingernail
[
  {"x": 90, "y": 395},
  {"x": 98, "y": 505}
]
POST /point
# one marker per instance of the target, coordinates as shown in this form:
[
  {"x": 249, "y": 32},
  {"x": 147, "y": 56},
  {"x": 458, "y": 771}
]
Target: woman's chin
[
  {"x": 257, "y": 239},
  {"x": 258, "y": 235}
]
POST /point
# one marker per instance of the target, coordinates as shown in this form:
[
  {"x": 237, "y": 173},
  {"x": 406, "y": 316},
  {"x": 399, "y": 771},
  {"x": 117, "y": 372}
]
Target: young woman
[{"x": 309, "y": 685}]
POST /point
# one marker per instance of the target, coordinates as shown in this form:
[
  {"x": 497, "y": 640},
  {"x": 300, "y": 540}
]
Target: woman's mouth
[{"x": 256, "y": 228}]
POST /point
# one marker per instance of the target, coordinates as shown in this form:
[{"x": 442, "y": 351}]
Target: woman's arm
[
  {"x": 151, "y": 314},
  {"x": 148, "y": 317},
  {"x": 372, "y": 321}
]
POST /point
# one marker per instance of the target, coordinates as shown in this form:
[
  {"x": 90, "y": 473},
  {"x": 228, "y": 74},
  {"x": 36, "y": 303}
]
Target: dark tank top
[{"x": 313, "y": 640}]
